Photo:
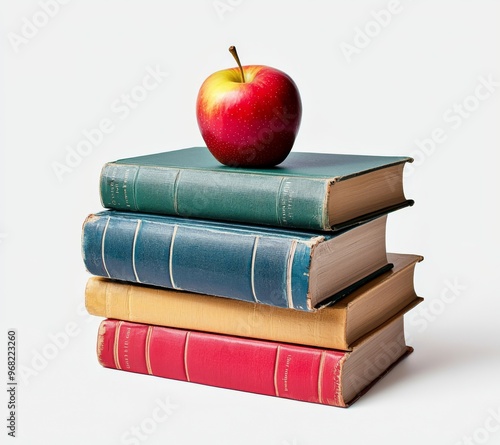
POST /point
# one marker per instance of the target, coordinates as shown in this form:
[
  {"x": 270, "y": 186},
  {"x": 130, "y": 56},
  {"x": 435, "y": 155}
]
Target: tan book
[{"x": 337, "y": 326}]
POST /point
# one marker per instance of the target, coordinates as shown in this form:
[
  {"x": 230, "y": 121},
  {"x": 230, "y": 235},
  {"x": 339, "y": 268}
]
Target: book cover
[
  {"x": 285, "y": 268},
  {"x": 317, "y": 375},
  {"x": 308, "y": 190},
  {"x": 336, "y": 326}
]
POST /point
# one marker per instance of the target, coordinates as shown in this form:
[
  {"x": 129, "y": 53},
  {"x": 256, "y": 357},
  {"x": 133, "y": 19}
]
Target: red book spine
[{"x": 256, "y": 366}]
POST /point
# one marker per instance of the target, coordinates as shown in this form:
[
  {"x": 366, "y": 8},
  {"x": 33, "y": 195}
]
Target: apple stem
[{"x": 232, "y": 50}]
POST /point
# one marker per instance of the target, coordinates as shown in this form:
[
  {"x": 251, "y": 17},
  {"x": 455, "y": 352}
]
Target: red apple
[{"x": 249, "y": 116}]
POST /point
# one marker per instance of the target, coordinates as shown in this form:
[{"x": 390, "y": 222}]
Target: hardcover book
[
  {"x": 337, "y": 326},
  {"x": 268, "y": 265},
  {"x": 317, "y": 191},
  {"x": 325, "y": 376}
]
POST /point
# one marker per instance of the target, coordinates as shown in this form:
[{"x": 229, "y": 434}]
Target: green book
[{"x": 318, "y": 191}]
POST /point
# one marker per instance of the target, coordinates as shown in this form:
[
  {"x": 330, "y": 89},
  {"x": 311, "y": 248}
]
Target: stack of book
[{"x": 272, "y": 281}]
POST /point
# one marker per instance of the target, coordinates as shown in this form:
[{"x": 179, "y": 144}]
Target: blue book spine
[{"x": 168, "y": 252}]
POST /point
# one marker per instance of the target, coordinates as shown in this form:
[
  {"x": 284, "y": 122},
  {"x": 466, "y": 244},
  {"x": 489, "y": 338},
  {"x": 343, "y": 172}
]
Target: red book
[{"x": 296, "y": 372}]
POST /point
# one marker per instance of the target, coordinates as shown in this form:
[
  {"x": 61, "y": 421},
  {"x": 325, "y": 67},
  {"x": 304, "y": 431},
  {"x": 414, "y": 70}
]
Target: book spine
[
  {"x": 186, "y": 310},
  {"x": 256, "y": 366},
  {"x": 260, "y": 199},
  {"x": 262, "y": 269}
]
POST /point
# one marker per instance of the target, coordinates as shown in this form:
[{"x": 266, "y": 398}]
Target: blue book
[{"x": 280, "y": 267}]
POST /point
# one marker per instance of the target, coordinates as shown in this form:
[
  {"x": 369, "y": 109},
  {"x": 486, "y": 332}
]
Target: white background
[{"x": 65, "y": 74}]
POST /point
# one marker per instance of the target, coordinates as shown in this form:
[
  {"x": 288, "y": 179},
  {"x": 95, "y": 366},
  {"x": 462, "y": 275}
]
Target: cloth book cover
[
  {"x": 308, "y": 190},
  {"x": 268, "y": 265},
  {"x": 325, "y": 376}
]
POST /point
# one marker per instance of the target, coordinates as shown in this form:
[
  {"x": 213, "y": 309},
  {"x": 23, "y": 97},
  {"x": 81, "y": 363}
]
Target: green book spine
[{"x": 251, "y": 198}]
